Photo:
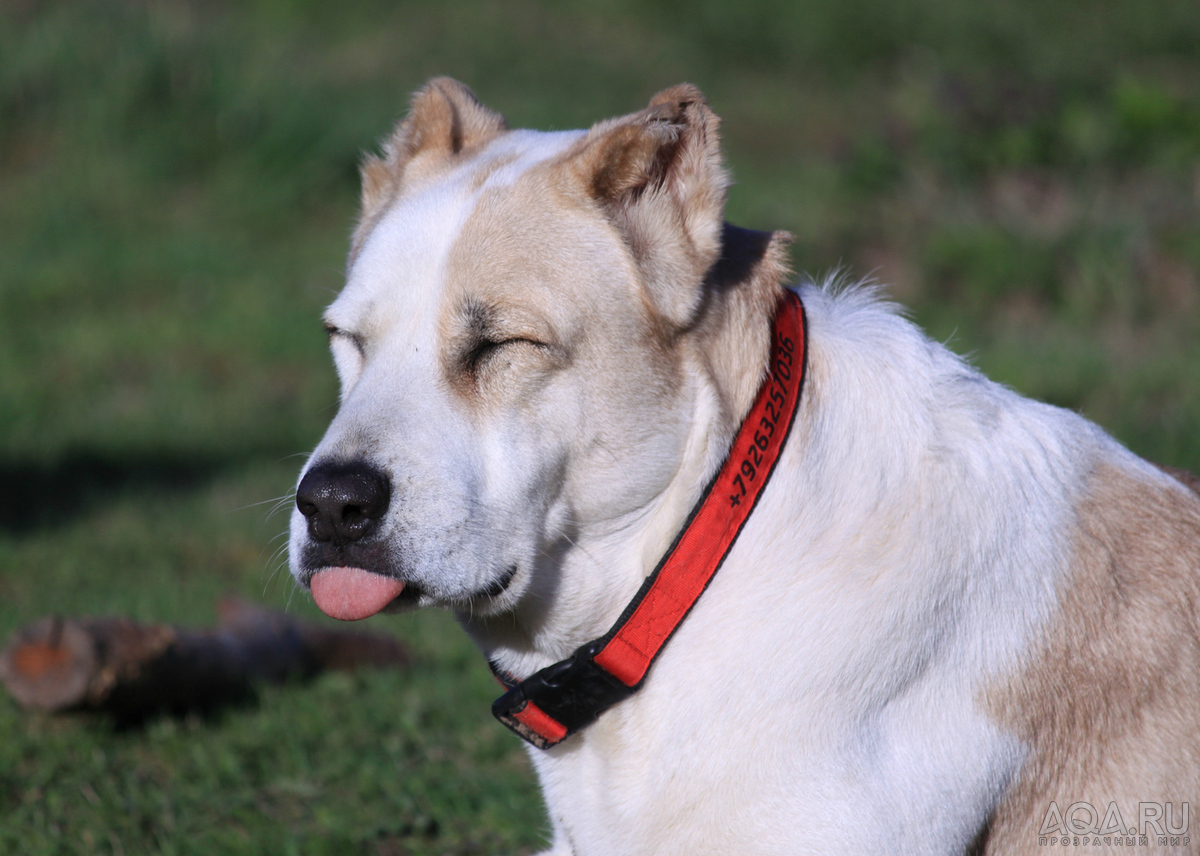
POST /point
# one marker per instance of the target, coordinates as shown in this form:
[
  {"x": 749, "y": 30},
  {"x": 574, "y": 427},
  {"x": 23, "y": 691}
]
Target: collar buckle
[{"x": 560, "y": 699}]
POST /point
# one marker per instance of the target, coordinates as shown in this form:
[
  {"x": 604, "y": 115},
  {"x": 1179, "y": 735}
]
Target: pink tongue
[{"x": 352, "y": 593}]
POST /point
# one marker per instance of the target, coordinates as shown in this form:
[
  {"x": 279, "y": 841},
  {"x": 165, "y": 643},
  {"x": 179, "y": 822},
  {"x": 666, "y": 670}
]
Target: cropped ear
[
  {"x": 444, "y": 120},
  {"x": 658, "y": 177}
]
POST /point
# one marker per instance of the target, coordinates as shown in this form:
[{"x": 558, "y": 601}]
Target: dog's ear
[
  {"x": 444, "y": 120},
  {"x": 657, "y": 174}
]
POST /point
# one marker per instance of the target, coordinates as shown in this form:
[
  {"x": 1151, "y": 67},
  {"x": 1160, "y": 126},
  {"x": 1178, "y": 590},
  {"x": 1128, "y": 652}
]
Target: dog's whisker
[{"x": 273, "y": 501}]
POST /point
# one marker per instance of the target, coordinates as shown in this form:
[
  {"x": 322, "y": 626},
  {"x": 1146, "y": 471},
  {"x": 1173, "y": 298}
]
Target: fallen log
[{"x": 131, "y": 670}]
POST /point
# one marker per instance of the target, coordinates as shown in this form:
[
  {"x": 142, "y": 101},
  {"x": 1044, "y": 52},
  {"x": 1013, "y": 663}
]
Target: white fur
[
  {"x": 821, "y": 697},
  {"x": 824, "y": 694}
]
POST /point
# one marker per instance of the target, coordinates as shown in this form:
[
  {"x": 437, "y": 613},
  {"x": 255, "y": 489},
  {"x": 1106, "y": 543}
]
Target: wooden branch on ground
[{"x": 131, "y": 670}]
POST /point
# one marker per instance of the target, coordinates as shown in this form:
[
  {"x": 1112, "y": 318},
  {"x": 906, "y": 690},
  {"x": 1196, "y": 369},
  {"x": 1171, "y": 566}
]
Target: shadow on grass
[{"x": 38, "y": 495}]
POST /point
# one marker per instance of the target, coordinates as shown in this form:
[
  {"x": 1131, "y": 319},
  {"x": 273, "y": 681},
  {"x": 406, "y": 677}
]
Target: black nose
[{"x": 342, "y": 501}]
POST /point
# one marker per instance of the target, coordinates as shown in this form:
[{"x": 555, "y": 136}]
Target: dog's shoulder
[
  {"x": 884, "y": 397},
  {"x": 889, "y": 397}
]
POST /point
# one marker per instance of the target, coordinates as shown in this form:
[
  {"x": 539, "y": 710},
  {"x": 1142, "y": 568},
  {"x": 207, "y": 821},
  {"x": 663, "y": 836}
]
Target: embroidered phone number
[{"x": 775, "y": 406}]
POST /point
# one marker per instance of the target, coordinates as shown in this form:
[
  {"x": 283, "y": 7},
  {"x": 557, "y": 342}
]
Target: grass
[
  {"x": 177, "y": 182},
  {"x": 367, "y": 763}
]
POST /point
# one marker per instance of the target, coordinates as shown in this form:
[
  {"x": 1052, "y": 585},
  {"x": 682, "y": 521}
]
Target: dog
[{"x": 940, "y": 619}]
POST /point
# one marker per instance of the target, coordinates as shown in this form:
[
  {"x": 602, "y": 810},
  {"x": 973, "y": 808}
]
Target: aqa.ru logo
[{"x": 1081, "y": 825}]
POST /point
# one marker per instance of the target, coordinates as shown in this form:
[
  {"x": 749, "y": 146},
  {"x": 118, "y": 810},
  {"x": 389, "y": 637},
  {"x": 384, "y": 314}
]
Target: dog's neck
[
  {"x": 726, "y": 347},
  {"x": 733, "y": 331}
]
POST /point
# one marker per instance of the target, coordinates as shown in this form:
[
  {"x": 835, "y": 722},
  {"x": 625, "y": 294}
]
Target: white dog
[{"x": 954, "y": 621}]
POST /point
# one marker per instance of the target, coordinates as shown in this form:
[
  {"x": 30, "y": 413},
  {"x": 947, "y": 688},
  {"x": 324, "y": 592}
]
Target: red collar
[{"x": 567, "y": 696}]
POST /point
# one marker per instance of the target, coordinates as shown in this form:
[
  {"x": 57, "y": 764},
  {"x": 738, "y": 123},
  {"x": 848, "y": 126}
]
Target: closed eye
[
  {"x": 483, "y": 350},
  {"x": 348, "y": 356},
  {"x": 338, "y": 333}
]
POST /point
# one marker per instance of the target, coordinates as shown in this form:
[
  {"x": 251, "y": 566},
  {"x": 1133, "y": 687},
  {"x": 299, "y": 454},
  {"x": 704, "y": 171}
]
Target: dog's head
[{"x": 523, "y": 345}]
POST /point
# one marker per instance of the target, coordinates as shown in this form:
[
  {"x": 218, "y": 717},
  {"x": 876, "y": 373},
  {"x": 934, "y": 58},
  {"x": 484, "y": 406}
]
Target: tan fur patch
[
  {"x": 532, "y": 264},
  {"x": 511, "y": 256},
  {"x": 1110, "y": 701},
  {"x": 741, "y": 292}
]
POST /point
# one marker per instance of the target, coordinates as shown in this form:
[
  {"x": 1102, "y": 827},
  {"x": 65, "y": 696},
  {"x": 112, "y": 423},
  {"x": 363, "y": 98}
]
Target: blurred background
[{"x": 177, "y": 184}]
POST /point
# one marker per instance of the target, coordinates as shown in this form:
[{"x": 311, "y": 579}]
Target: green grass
[
  {"x": 367, "y": 763},
  {"x": 177, "y": 183}
]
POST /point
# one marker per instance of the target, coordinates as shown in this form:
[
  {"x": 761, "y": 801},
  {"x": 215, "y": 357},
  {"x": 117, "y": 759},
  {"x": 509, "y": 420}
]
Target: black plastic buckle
[{"x": 573, "y": 692}]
